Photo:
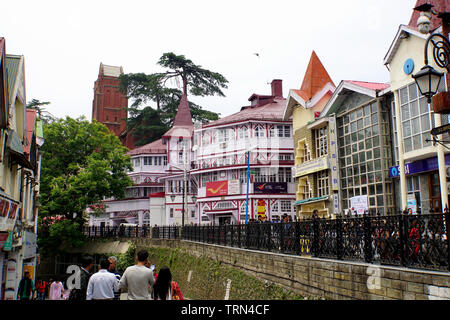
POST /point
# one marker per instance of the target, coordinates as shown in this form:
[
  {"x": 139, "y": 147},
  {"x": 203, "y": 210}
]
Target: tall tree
[
  {"x": 144, "y": 88},
  {"x": 82, "y": 164},
  {"x": 43, "y": 114}
]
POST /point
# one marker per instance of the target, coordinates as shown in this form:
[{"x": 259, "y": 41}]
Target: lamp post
[
  {"x": 249, "y": 150},
  {"x": 428, "y": 80}
]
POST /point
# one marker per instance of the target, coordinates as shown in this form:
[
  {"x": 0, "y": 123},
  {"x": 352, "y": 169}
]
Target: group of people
[
  {"x": 140, "y": 281},
  {"x": 52, "y": 290}
]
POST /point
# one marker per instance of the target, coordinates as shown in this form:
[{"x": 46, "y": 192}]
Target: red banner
[{"x": 216, "y": 188}]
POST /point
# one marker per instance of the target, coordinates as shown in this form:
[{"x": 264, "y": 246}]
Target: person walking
[
  {"x": 79, "y": 294},
  {"x": 164, "y": 288},
  {"x": 56, "y": 290},
  {"x": 113, "y": 269},
  {"x": 138, "y": 279},
  {"x": 41, "y": 286},
  {"x": 102, "y": 284},
  {"x": 26, "y": 287}
]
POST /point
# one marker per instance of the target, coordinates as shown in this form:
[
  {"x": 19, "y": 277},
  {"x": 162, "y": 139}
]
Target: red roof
[
  {"x": 182, "y": 124},
  {"x": 31, "y": 121},
  {"x": 155, "y": 147},
  {"x": 370, "y": 85},
  {"x": 438, "y": 6},
  {"x": 270, "y": 111},
  {"x": 316, "y": 77}
]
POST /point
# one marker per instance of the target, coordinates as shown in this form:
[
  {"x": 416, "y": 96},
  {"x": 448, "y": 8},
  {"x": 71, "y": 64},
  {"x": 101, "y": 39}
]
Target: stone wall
[{"x": 330, "y": 279}]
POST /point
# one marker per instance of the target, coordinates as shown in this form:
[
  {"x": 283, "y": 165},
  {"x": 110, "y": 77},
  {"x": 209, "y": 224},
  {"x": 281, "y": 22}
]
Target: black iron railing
[{"x": 415, "y": 241}]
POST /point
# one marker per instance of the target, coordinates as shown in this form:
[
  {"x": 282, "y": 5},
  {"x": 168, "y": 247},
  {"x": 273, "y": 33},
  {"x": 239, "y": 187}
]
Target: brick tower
[{"x": 109, "y": 105}]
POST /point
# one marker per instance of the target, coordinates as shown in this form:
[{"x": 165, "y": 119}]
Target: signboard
[
  {"x": 411, "y": 202},
  {"x": 223, "y": 188},
  {"x": 440, "y": 130},
  {"x": 234, "y": 187},
  {"x": 312, "y": 166},
  {"x": 269, "y": 187},
  {"x": 333, "y": 154},
  {"x": 261, "y": 210},
  {"x": 359, "y": 204},
  {"x": 336, "y": 203},
  {"x": 8, "y": 213},
  {"x": 11, "y": 279},
  {"x": 29, "y": 245},
  {"x": 418, "y": 166}
]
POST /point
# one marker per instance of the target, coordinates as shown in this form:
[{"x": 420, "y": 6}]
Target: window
[
  {"x": 321, "y": 142},
  {"x": 259, "y": 131},
  {"x": 243, "y": 176},
  {"x": 364, "y": 156},
  {"x": 165, "y": 160},
  {"x": 243, "y": 132},
  {"x": 180, "y": 157},
  {"x": 171, "y": 212},
  {"x": 223, "y": 135},
  {"x": 416, "y": 118},
  {"x": 287, "y": 131},
  {"x": 192, "y": 213},
  {"x": 137, "y": 162},
  {"x": 147, "y": 161},
  {"x": 286, "y": 205},
  {"x": 322, "y": 183}
]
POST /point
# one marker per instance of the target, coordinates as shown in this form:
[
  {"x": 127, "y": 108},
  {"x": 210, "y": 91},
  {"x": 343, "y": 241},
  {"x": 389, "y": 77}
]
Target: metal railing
[{"x": 414, "y": 241}]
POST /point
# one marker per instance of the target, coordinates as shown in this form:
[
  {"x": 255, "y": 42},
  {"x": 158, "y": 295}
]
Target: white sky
[{"x": 64, "y": 44}]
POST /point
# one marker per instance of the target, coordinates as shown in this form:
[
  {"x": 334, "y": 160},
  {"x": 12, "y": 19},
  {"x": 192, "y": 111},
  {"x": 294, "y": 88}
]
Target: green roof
[{"x": 12, "y": 65}]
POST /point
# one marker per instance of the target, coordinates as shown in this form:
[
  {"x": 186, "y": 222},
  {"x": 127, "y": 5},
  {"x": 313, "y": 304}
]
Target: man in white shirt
[
  {"x": 138, "y": 279},
  {"x": 102, "y": 284}
]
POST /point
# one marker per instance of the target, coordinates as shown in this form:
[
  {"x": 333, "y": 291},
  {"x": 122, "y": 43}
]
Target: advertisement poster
[
  {"x": 217, "y": 188},
  {"x": 411, "y": 203},
  {"x": 270, "y": 187},
  {"x": 359, "y": 204},
  {"x": 261, "y": 210}
]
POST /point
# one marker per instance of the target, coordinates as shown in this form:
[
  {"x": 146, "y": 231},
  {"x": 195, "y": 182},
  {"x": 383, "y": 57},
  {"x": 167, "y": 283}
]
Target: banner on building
[
  {"x": 411, "y": 202},
  {"x": 8, "y": 213},
  {"x": 359, "y": 204},
  {"x": 261, "y": 210},
  {"x": 333, "y": 154},
  {"x": 269, "y": 187},
  {"x": 223, "y": 188},
  {"x": 29, "y": 245}
]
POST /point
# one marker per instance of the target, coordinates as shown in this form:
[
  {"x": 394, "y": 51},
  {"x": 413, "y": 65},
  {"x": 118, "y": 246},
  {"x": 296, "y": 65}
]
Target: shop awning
[
  {"x": 311, "y": 200},
  {"x": 15, "y": 147}
]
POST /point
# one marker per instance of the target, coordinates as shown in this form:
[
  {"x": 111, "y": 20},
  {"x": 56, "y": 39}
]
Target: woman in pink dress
[{"x": 56, "y": 290}]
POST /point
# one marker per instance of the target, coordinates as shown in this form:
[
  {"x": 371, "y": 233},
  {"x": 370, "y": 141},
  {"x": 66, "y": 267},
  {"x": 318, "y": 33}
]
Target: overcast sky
[{"x": 64, "y": 44}]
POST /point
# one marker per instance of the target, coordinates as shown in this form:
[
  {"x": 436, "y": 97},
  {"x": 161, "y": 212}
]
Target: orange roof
[
  {"x": 316, "y": 77},
  {"x": 31, "y": 122}
]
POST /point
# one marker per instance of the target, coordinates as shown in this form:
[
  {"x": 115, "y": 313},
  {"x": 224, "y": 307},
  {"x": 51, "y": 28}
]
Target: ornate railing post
[
  {"x": 368, "y": 250},
  {"x": 447, "y": 225},
  {"x": 315, "y": 239},
  {"x": 339, "y": 238},
  {"x": 403, "y": 231},
  {"x": 297, "y": 247},
  {"x": 282, "y": 226}
]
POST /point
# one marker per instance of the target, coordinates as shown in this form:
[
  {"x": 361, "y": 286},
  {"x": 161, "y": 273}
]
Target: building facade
[
  {"x": 415, "y": 172},
  {"x": 360, "y": 114},
  {"x": 255, "y": 138},
  {"x": 312, "y": 167},
  {"x": 21, "y": 137},
  {"x": 109, "y": 105}
]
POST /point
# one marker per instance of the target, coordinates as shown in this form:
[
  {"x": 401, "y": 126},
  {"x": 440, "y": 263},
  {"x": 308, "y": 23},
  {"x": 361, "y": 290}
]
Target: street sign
[{"x": 440, "y": 130}]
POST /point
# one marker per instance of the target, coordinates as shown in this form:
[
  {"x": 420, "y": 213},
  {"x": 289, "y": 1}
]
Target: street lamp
[{"x": 428, "y": 80}]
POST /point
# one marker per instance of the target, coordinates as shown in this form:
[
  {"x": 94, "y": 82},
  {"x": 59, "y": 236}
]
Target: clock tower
[{"x": 110, "y": 105}]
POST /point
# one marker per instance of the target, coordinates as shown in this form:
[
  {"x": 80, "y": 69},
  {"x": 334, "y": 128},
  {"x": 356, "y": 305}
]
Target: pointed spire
[
  {"x": 183, "y": 117},
  {"x": 316, "y": 77}
]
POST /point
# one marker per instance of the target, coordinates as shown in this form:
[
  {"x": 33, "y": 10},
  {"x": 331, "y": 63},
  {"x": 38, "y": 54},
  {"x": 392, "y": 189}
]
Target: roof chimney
[{"x": 277, "y": 88}]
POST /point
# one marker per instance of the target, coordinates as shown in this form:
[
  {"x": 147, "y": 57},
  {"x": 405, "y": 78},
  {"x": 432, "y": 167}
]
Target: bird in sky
[{"x": 256, "y": 54}]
